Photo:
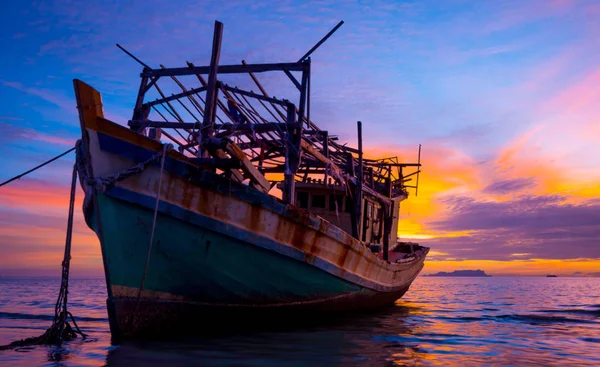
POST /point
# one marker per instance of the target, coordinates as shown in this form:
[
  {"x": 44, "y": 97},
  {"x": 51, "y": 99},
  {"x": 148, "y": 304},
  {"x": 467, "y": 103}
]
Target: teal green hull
[
  {"x": 197, "y": 277},
  {"x": 202, "y": 265}
]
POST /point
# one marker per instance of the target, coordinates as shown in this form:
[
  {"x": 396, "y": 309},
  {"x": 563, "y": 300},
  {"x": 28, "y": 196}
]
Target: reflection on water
[{"x": 440, "y": 322}]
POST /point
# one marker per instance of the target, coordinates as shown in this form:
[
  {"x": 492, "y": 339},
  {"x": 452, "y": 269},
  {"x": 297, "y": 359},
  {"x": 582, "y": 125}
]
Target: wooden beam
[
  {"x": 258, "y": 128},
  {"x": 293, "y": 79},
  {"x": 174, "y": 96},
  {"x": 254, "y": 95},
  {"x": 333, "y": 168},
  {"x": 307, "y": 54},
  {"x": 210, "y": 108},
  {"x": 258, "y": 180},
  {"x": 395, "y": 164},
  {"x": 226, "y": 69}
]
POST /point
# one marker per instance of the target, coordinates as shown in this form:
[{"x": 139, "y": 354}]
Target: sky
[{"x": 502, "y": 95}]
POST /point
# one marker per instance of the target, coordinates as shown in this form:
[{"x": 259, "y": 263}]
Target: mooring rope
[
  {"x": 166, "y": 148},
  {"x": 162, "y": 167},
  {"x": 36, "y": 167},
  {"x": 60, "y": 329}
]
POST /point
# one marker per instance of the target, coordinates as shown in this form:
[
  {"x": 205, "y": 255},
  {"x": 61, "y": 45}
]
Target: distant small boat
[
  {"x": 192, "y": 232},
  {"x": 551, "y": 276}
]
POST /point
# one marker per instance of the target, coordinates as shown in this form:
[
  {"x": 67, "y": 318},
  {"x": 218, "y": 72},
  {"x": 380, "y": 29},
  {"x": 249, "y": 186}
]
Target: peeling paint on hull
[{"x": 220, "y": 246}]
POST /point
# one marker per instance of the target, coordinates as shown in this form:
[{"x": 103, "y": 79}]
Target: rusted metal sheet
[{"x": 318, "y": 239}]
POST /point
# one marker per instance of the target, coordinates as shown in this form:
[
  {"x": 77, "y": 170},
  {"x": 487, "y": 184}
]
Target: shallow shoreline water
[{"x": 439, "y": 322}]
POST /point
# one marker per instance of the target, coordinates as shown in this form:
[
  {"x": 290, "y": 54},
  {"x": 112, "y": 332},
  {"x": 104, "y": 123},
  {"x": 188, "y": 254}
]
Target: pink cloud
[
  {"x": 48, "y": 95},
  {"x": 580, "y": 95},
  {"x": 519, "y": 13},
  {"x": 53, "y": 139}
]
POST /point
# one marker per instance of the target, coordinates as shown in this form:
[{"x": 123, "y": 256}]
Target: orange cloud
[
  {"x": 445, "y": 171},
  {"x": 33, "y": 220},
  {"x": 33, "y": 195}
]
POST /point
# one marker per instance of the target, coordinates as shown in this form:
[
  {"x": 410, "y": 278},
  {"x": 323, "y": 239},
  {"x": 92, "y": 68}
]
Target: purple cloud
[
  {"x": 509, "y": 186},
  {"x": 543, "y": 226}
]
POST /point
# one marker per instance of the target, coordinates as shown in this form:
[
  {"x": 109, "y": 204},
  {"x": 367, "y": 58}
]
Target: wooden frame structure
[{"x": 253, "y": 135}]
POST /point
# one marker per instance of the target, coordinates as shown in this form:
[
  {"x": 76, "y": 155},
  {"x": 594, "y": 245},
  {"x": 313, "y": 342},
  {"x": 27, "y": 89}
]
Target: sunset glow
[{"x": 503, "y": 96}]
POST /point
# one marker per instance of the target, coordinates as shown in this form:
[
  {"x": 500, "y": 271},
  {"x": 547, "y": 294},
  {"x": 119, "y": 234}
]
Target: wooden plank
[
  {"x": 235, "y": 174},
  {"x": 257, "y": 178},
  {"x": 333, "y": 168}
]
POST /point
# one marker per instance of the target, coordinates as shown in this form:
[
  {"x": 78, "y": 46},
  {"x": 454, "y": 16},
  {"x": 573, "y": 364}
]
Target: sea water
[{"x": 497, "y": 321}]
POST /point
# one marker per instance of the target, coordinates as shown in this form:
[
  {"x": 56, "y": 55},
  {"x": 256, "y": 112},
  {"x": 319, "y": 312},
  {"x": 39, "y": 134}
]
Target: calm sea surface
[{"x": 439, "y": 322}]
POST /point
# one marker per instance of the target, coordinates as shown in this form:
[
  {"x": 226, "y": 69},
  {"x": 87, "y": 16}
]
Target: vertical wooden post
[
  {"x": 358, "y": 197},
  {"x": 303, "y": 93},
  {"x": 325, "y": 136},
  {"x": 388, "y": 183},
  {"x": 419, "y": 170},
  {"x": 137, "y": 110},
  {"x": 387, "y": 226},
  {"x": 211, "y": 89},
  {"x": 352, "y": 172},
  {"x": 292, "y": 155}
]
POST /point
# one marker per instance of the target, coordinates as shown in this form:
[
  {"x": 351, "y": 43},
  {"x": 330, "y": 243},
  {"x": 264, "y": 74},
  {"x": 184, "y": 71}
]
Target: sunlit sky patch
[{"x": 503, "y": 96}]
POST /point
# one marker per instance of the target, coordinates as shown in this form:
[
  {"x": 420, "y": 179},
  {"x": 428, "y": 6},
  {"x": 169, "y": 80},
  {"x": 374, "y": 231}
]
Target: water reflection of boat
[{"x": 193, "y": 232}]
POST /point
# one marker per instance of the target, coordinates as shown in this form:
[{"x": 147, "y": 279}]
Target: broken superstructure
[{"x": 267, "y": 142}]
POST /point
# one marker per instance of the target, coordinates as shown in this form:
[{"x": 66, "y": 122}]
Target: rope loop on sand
[{"x": 60, "y": 330}]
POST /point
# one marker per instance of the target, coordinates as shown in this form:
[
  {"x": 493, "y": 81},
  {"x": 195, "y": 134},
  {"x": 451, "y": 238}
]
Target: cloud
[
  {"x": 501, "y": 95},
  {"x": 33, "y": 219},
  {"x": 48, "y": 95},
  {"x": 509, "y": 186},
  {"x": 17, "y": 134},
  {"x": 541, "y": 226}
]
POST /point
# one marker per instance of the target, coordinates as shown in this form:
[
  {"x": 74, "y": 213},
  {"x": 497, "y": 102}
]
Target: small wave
[
  {"x": 574, "y": 311},
  {"x": 418, "y": 339},
  {"x": 461, "y": 318},
  {"x": 27, "y": 316},
  {"x": 541, "y": 319}
]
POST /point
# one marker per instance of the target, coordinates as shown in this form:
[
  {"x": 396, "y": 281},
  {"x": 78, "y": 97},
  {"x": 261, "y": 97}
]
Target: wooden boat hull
[
  {"x": 218, "y": 245},
  {"x": 194, "y": 269}
]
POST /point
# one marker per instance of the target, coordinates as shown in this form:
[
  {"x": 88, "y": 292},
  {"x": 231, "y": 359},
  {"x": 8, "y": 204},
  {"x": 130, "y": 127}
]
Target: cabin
[{"x": 331, "y": 202}]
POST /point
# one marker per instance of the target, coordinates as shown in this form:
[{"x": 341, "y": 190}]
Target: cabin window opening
[
  {"x": 333, "y": 199},
  {"x": 318, "y": 201},
  {"x": 376, "y": 214},
  {"x": 349, "y": 205},
  {"x": 302, "y": 199},
  {"x": 369, "y": 210}
]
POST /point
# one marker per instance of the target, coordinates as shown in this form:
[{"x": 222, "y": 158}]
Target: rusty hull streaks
[{"x": 314, "y": 236}]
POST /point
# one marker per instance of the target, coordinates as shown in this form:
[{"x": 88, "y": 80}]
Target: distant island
[
  {"x": 551, "y": 276},
  {"x": 460, "y": 273}
]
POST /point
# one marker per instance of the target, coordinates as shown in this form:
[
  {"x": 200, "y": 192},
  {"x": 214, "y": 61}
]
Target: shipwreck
[{"x": 216, "y": 199}]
